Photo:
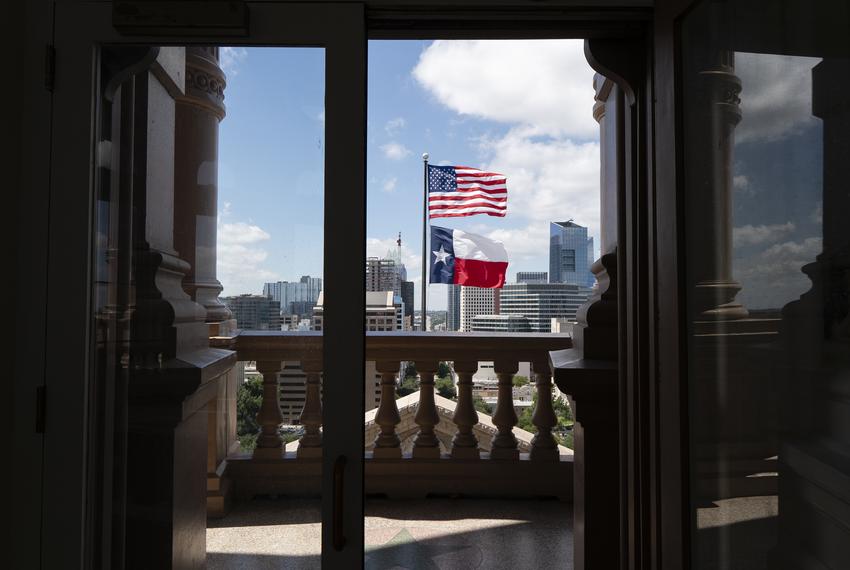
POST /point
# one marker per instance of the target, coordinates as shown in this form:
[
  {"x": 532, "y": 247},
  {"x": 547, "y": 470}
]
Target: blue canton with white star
[
  {"x": 442, "y": 179},
  {"x": 442, "y": 244}
]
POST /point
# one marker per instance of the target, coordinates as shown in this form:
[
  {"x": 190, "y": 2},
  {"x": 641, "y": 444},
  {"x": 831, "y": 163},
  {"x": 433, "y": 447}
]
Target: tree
[
  {"x": 562, "y": 430},
  {"x": 482, "y": 406},
  {"x": 408, "y": 385},
  {"x": 520, "y": 380},
  {"x": 446, "y": 388},
  {"x": 443, "y": 370},
  {"x": 249, "y": 399},
  {"x": 410, "y": 370}
]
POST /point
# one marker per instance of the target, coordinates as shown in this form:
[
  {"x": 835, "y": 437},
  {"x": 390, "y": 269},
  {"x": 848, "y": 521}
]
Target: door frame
[
  {"x": 665, "y": 514},
  {"x": 340, "y": 30}
]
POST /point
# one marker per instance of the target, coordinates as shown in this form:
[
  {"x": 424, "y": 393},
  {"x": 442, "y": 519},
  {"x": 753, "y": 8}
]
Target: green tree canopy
[
  {"x": 520, "y": 380},
  {"x": 445, "y": 388},
  {"x": 482, "y": 406},
  {"x": 249, "y": 398},
  {"x": 408, "y": 385}
]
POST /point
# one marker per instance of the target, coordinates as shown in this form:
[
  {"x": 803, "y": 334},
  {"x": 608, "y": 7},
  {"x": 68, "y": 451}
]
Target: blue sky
[
  {"x": 522, "y": 108},
  {"x": 519, "y": 108}
]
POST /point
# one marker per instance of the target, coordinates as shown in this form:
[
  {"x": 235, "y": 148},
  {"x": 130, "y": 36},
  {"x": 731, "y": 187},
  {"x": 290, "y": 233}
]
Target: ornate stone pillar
[
  {"x": 712, "y": 98},
  {"x": 174, "y": 373},
  {"x": 197, "y": 115}
]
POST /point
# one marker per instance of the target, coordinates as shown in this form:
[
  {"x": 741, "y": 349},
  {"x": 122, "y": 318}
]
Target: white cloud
[
  {"x": 321, "y": 117},
  {"x": 523, "y": 243},
  {"x": 776, "y": 96},
  {"x": 544, "y": 91},
  {"x": 241, "y": 233},
  {"x": 230, "y": 59},
  {"x": 394, "y": 125},
  {"x": 240, "y": 259},
  {"x": 395, "y": 151},
  {"x": 753, "y": 235},
  {"x": 548, "y": 179},
  {"x": 773, "y": 277},
  {"x": 806, "y": 250},
  {"x": 543, "y": 84},
  {"x": 389, "y": 185}
]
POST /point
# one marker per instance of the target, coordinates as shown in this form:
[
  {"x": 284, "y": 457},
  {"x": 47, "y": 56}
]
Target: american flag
[{"x": 455, "y": 191}]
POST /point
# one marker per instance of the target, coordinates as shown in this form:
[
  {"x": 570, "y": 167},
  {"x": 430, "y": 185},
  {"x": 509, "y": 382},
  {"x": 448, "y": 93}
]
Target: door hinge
[
  {"x": 40, "y": 409},
  {"x": 49, "y": 67}
]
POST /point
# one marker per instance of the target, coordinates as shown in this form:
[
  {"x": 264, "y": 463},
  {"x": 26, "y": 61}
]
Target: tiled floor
[{"x": 400, "y": 534}]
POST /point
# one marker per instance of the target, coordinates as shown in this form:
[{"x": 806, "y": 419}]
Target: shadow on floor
[{"x": 411, "y": 534}]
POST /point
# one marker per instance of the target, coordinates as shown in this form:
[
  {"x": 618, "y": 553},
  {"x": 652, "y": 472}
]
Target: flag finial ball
[{"x": 424, "y": 156}]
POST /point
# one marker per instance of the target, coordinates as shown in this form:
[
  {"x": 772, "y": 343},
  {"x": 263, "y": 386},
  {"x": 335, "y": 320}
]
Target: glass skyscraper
[{"x": 570, "y": 254}]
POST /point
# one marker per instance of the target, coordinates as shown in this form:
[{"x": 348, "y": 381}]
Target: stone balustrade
[{"x": 504, "y": 465}]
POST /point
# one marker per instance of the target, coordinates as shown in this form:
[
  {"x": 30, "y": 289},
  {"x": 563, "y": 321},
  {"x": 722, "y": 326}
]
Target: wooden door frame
[
  {"x": 340, "y": 29},
  {"x": 664, "y": 518},
  {"x": 669, "y": 541}
]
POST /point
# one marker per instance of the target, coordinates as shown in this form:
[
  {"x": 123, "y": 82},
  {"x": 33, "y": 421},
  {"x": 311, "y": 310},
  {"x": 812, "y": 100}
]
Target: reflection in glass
[{"x": 765, "y": 152}]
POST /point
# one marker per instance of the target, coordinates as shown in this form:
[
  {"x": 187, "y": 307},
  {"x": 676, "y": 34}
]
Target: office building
[
  {"x": 297, "y": 297},
  {"x": 382, "y": 274},
  {"x": 542, "y": 302},
  {"x": 500, "y": 323},
  {"x": 453, "y": 308},
  {"x": 254, "y": 312},
  {"x": 532, "y": 277},
  {"x": 407, "y": 292},
  {"x": 477, "y": 301},
  {"x": 570, "y": 254}
]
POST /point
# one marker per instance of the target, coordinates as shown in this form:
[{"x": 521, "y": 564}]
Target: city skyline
[{"x": 271, "y": 158}]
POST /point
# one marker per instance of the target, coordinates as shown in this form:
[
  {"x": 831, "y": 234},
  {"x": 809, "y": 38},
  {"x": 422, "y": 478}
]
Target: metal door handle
[{"x": 339, "y": 489}]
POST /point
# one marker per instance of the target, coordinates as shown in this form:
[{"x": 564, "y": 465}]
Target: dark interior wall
[
  {"x": 26, "y": 27},
  {"x": 11, "y": 160}
]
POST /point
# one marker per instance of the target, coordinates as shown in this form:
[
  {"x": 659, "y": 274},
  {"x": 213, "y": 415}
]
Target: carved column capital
[
  {"x": 205, "y": 80},
  {"x": 198, "y": 113}
]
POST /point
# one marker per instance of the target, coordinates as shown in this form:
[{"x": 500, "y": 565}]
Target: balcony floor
[{"x": 400, "y": 534}]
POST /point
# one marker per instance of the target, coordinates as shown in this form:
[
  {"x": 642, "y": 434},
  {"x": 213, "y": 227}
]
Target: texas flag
[{"x": 467, "y": 259}]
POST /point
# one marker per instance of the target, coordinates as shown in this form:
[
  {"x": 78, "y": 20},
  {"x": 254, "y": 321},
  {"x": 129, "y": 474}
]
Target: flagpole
[{"x": 424, "y": 315}]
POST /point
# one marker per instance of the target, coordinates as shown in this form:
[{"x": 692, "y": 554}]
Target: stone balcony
[
  {"x": 416, "y": 446},
  {"x": 484, "y": 477}
]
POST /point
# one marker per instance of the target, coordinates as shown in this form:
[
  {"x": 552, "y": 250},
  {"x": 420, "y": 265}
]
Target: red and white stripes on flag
[{"x": 455, "y": 191}]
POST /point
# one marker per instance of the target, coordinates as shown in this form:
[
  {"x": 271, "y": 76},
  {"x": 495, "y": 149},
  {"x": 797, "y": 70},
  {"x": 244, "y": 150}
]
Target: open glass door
[{"x": 177, "y": 296}]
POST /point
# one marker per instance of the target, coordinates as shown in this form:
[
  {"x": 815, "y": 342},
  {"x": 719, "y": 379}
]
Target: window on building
[{"x": 568, "y": 260}]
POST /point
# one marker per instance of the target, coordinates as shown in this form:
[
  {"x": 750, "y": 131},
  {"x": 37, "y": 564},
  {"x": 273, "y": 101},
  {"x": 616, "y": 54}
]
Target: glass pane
[
  {"x": 497, "y": 143},
  {"x": 208, "y": 273},
  {"x": 765, "y": 125}
]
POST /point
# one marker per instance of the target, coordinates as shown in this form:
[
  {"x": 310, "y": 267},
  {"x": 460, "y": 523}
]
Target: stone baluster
[
  {"x": 504, "y": 444},
  {"x": 310, "y": 444},
  {"x": 543, "y": 446},
  {"x": 465, "y": 444},
  {"x": 387, "y": 444},
  {"x": 426, "y": 444},
  {"x": 269, "y": 444}
]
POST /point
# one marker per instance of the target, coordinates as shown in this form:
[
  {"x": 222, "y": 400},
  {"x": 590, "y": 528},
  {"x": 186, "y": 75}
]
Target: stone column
[
  {"x": 174, "y": 371},
  {"x": 464, "y": 443},
  {"x": 426, "y": 444},
  {"x": 387, "y": 444},
  {"x": 505, "y": 445},
  {"x": 711, "y": 95},
  {"x": 269, "y": 443},
  {"x": 198, "y": 113}
]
